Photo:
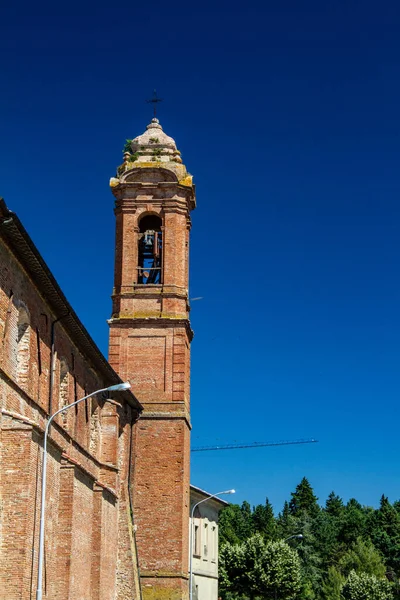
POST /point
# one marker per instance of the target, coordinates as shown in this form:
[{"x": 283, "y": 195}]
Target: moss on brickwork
[
  {"x": 158, "y": 593},
  {"x": 150, "y": 315},
  {"x": 187, "y": 181}
]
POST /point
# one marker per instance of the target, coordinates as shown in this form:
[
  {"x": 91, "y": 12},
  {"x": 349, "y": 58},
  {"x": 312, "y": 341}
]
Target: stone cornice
[
  {"x": 163, "y": 574},
  {"x": 131, "y": 205},
  {"x": 151, "y": 291},
  {"x": 165, "y": 415},
  {"x": 158, "y": 191},
  {"x": 138, "y": 322}
]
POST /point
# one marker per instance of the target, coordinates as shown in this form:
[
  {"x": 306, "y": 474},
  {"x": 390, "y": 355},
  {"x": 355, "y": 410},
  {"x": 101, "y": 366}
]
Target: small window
[
  {"x": 205, "y": 549},
  {"x": 150, "y": 250},
  {"x": 196, "y": 541},
  {"x": 214, "y": 542}
]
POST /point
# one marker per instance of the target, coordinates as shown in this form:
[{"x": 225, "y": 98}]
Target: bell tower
[{"x": 150, "y": 339}]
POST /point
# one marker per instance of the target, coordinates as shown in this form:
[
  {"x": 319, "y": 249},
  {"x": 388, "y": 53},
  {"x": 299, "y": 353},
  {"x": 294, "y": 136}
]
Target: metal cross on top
[{"x": 154, "y": 100}]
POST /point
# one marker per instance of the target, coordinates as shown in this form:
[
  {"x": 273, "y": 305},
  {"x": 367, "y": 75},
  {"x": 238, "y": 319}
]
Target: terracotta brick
[
  {"x": 151, "y": 324},
  {"x": 88, "y": 529}
]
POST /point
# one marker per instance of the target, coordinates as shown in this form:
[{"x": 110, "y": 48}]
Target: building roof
[
  {"x": 18, "y": 240},
  {"x": 201, "y": 492}
]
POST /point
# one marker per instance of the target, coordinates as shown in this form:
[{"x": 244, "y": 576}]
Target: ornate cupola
[{"x": 150, "y": 339}]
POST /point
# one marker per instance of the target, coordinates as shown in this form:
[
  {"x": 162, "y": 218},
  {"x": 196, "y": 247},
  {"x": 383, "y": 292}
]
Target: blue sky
[{"x": 287, "y": 115}]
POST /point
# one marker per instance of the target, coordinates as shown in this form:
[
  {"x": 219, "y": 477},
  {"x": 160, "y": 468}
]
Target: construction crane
[{"x": 253, "y": 445}]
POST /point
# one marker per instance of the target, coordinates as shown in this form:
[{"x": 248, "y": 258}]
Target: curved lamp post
[
  {"x": 112, "y": 388},
  {"x": 191, "y": 536},
  {"x": 299, "y": 536}
]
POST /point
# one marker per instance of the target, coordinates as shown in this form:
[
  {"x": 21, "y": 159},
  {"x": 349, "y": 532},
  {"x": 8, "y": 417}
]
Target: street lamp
[
  {"x": 299, "y": 536},
  {"x": 112, "y": 388},
  {"x": 191, "y": 536}
]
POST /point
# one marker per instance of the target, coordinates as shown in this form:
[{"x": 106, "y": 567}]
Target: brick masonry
[
  {"x": 90, "y": 550},
  {"x": 150, "y": 339}
]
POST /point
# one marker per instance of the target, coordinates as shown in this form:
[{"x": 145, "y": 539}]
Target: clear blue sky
[{"x": 287, "y": 114}]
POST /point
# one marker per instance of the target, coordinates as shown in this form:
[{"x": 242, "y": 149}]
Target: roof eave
[{"x": 17, "y": 238}]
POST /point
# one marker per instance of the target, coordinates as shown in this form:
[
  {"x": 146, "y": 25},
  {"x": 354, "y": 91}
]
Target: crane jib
[{"x": 253, "y": 445}]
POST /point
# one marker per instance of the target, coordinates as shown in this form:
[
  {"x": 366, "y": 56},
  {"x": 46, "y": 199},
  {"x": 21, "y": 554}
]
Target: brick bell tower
[{"x": 150, "y": 339}]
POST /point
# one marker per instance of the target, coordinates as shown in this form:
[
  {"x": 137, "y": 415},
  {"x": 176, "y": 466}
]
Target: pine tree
[
  {"x": 384, "y": 529},
  {"x": 233, "y": 525},
  {"x": 352, "y": 523},
  {"x": 334, "y": 505},
  {"x": 264, "y": 520},
  {"x": 396, "y": 505},
  {"x": 346, "y": 551},
  {"x": 286, "y": 524},
  {"x": 326, "y": 530},
  {"x": 309, "y": 556},
  {"x": 247, "y": 521},
  {"x": 304, "y": 499}
]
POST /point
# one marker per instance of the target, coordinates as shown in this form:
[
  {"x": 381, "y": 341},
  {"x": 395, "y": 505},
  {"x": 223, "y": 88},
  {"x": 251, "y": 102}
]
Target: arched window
[
  {"x": 196, "y": 532},
  {"x": 150, "y": 250},
  {"x": 23, "y": 346}
]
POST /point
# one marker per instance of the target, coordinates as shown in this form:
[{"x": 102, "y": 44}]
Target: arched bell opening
[{"x": 150, "y": 250}]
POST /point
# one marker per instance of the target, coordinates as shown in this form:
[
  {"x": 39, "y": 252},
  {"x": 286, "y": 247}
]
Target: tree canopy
[
  {"x": 257, "y": 568},
  {"x": 336, "y": 551}
]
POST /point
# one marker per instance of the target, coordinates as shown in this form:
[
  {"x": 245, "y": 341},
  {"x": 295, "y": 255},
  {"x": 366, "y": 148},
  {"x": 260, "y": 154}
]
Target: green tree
[
  {"x": 366, "y": 587},
  {"x": 309, "y": 557},
  {"x": 234, "y": 524},
  {"x": 231, "y": 571},
  {"x": 334, "y": 505},
  {"x": 304, "y": 500},
  {"x": 247, "y": 520},
  {"x": 326, "y": 529},
  {"x": 259, "y": 569},
  {"x": 396, "y": 505},
  {"x": 264, "y": 520},
  {"x": 352, "y": 523},
  {"x": 338, "y": 541},
  {"x": 332, "y": 585},
  {"x": 286, "y": 524},
  {"x": 362, "y": 557},
  {"x": 384, "y": 529},
  {"x": 281, "y": 566}
]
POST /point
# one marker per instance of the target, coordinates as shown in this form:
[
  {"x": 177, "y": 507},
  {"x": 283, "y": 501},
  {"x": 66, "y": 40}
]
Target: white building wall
[{"x": 205, "y": 546}]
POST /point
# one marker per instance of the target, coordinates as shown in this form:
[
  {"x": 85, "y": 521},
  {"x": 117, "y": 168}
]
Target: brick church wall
[{"x": 87, "y": 525}]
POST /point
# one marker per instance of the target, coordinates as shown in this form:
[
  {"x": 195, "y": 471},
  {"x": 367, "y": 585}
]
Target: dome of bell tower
[
  {"x": 155, "y": 146},
  {"x": 153, "y": 137},
  {"x": 152, "y": 149}
]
